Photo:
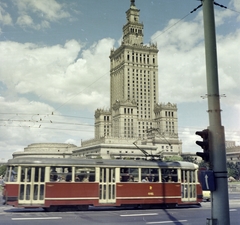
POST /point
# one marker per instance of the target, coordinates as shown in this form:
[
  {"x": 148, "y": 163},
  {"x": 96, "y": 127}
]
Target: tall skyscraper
[{"x": 135, "y": 114}]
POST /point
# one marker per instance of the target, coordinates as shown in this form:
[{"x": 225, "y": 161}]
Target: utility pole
[{"x": 217, "y": 148}]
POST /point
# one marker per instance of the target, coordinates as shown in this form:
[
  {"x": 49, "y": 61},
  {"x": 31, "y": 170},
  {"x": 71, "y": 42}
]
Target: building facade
[
  {"x": 232, "y": 152},
  {"x": 50, "y": 150},
  {"x": 135, "y": 115}
]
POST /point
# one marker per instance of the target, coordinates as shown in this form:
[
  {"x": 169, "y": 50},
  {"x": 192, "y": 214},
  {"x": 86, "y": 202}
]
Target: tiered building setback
[{"x": 135, "y": 115}]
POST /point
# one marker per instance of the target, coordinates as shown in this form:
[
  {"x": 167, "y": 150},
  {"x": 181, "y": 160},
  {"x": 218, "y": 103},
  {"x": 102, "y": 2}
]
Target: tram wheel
[
  {"x": 82, "y": 207},
  {"x": 52, "y": 208},
  {"x": 145, "y": 206},
  {"x": 171, "y": 205}
]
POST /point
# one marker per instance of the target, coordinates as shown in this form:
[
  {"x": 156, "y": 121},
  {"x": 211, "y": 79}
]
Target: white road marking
[
  {"x": 40, "y": 218},
  {"x": 146, "y": 214},
  {"x": 233, "y": 210},
  {"x": 164, "y": 222}
]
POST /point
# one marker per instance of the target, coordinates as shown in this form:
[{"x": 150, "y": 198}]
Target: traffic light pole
[{"x": 219, "y": 197}]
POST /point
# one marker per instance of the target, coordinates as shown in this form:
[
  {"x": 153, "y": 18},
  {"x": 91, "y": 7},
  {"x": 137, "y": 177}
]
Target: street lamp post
[{"x": 219, "y": 197}]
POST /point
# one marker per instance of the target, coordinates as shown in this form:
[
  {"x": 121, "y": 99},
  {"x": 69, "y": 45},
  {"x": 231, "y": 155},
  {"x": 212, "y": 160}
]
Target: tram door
[
  {"x": 107, "y": 185},
  {"x": 188, "y": 185},
  {"x": 32, "y": 185}
]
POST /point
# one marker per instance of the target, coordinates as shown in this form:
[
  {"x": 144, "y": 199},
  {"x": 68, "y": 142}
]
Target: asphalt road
[{"x": 116, "y": 216}]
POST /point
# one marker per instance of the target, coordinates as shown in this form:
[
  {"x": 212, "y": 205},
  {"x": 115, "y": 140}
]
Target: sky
[{"x": 54, "y": 66}]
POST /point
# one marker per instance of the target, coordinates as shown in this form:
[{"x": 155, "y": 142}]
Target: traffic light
[{"x": 204, "y": 144}]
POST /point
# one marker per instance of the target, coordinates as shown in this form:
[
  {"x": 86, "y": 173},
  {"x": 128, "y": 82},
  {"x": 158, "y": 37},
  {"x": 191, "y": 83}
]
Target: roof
[{"x": 100, "y": 162}]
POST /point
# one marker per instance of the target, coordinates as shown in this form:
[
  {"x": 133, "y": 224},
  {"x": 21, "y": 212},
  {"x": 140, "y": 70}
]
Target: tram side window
[
  {"x": 169, "y": 175},
  {"x": 149, "y": 175},
  {"x": 192, "y": 176},
  {"x": 11, "y": 174},
  {"x": 83, "y": 174},
  {"x": 61, "y": 174},
  {"x": 25, "y": 174},
  {"x": 129, "y": 174},
  {"x": 188, "y": 176},
  {"x": 39, "y": 174}
]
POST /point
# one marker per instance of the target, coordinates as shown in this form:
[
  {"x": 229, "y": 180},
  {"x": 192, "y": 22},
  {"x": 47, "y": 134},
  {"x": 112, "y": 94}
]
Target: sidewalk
[{"x": 234, "y": 187}]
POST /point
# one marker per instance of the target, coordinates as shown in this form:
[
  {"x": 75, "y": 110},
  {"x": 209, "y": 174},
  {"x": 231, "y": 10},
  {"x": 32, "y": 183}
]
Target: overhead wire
[
  {"x": 66, "y": 123},
  {"x": 74, "y": 95},
  {"x": 195, "y": 9},
  {"x": 180, "y": 20},
  {"x": 38, "y": 114},
  {"x": 47, "y": 128},
  {"x": 64, "y": 103},
  {"x": 225, "y": 7},
  {"x": 80, "y": 91}
]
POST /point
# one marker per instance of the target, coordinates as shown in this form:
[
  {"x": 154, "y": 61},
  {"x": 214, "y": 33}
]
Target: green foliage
[
  {"x": 203, "y": 164},
  {"x": 233, "y": 170},
  {"x": 173, "y": 158},
  {"x": 189, "y": 158},
  {"x": 2, "y": 169}
]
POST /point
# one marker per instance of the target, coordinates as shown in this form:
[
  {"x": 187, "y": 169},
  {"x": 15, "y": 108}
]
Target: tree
[
  {"x": 189, "y": 158},
  {"x": 203, "y": 164},
  {"x": 233, "y": 170},
  {"x": 2, "y": 169},
  {"x": 173, "y": 158}
]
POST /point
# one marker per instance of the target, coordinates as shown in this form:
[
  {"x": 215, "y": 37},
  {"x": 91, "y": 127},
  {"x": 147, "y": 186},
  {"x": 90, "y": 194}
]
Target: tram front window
[{"x": 11, "y": 174}]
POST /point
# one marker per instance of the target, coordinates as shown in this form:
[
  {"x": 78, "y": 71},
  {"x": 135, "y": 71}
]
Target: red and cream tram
[{"x": 53, "y": 183}]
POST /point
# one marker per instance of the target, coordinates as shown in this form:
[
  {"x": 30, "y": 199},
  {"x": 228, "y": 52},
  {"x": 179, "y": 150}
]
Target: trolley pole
[{"x": 217, "y": 148}]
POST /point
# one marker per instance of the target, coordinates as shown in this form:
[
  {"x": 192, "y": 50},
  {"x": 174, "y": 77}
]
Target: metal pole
[{"x": 219, "y": 197}]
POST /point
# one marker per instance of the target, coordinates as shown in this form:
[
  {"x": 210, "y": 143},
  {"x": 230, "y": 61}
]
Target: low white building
[{"x": 51, "y": 150}]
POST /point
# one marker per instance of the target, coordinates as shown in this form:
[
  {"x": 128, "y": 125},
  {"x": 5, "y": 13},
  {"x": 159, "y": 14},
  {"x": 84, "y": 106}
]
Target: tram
[{"x": 55, "y": 183}]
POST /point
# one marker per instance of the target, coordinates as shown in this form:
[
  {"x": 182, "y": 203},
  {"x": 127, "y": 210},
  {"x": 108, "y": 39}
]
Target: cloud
[
  {"x": 181, "y": 58},
  {"x": 5, "y": 17},
  {"x": 50, "y": 10},
  {"x": 38, "y": 15},
  {"x": 26, "y": 21},
  {"x": 56, "y": 73},
  {"x": 39, "y": 79},
  {"x": 24, "y": 122},
  {"x": 66, "y": 76},
  {"x": 236, "y": 5}
]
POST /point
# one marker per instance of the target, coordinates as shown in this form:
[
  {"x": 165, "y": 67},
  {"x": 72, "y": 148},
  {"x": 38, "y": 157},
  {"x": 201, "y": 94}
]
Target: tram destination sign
[{"x": 207, "y": 180}]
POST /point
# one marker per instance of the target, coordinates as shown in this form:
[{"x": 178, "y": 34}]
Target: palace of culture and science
[{"x": 135, "y": 122}]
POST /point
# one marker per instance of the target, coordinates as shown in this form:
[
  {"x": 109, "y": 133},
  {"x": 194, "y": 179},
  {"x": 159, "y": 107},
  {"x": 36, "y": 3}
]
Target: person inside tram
[
  {"x": 53, "y": 175},
  {"x": 145, "y": 179},
  {"x": 77, "y": 179},
  {"x": 69, "y": 175},
  {"x": 170, "y": 179},
  {"x": 13, "y": 175},
  {"x": 131, "y": 178},
  {"x": 61, "y": 179},
  {"x": 151, "y": 178},
  {"x": 124, "y": 175},
  {"x": 85, "y": 179}
]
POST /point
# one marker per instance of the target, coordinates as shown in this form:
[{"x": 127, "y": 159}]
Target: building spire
[{"x": 132, "y": 2}]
